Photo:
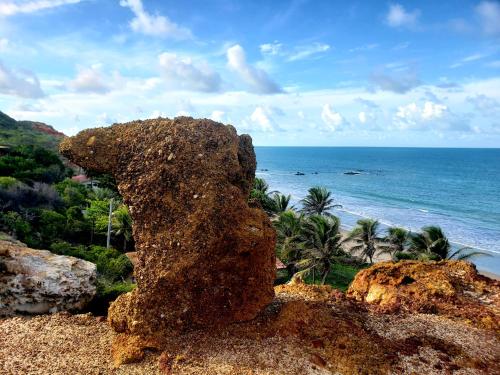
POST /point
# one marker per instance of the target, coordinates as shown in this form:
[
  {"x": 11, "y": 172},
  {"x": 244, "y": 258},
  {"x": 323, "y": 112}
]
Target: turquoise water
[{"x": 457, "y": 189}]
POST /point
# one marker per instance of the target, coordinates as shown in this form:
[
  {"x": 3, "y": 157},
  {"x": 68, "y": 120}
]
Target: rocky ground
[{"x": 306, "y": 330}]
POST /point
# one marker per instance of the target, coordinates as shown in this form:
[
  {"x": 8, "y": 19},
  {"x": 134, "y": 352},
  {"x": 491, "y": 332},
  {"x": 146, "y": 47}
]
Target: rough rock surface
[
  {"x": 204, "y": 256},
  {"x": 37, "y": 281},
  {"x": 307, "y": 330},
  {"x": 451, "y": 288}
]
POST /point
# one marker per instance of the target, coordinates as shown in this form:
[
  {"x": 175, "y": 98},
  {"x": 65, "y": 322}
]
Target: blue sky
[{"x": 325, "y": 73}]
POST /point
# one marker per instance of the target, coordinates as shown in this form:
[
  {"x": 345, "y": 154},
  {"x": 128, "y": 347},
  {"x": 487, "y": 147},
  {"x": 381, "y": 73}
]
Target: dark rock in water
[
  {"x": 315, "y": 173},
  {"x": 352, "y": 173},
  {"x": 264, "y": 170},
  {"x": 299, "y": 174}
]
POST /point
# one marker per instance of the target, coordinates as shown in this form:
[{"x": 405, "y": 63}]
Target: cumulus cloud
[
  {"x": 154, "y": 25},
  {"x": 333, "y": 120},
  {"x": 399, "y": 82},
  {"x": 90, "y": 80},
  {"x": 488, "y": 13},
  {"x": 218, "y": 116},
  {"x": 10, "y": 8},
  {"x": 19, "y": 83},
  {"x": 182, "y": 73},
  {"x": 255, "y": 78},
  {"x": 398, "y": 16},
  {"x": 304, "y": 52},
  {"x": 263, "y": 118},
  {"x": 429, "y": 116}
]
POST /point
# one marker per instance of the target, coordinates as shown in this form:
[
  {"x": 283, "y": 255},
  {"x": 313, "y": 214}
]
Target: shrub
[
  {"x": 17, "y": 226},
  {"x": 403, "y": 255},
  {"x": 7, "y": 182}
]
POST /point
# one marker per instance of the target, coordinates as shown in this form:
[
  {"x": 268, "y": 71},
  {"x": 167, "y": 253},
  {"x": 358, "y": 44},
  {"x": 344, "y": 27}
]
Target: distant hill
[{"x": 14, "y": 133}]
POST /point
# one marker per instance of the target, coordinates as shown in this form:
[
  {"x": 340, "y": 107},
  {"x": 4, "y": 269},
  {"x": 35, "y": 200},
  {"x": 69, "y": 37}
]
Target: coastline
[{"x": 378, "y": 257}]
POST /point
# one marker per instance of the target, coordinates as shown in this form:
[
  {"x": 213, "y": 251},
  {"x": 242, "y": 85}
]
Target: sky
[{"x": 289, "y": 73}]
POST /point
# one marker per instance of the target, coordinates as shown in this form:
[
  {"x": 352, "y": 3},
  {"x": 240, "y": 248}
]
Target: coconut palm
[
  {"x": 396, "y": 241},
  {"x": 318, "y": 201},
  {"x": 322, "y": 245},
  {"x": 260, "y": 193},
  {"x": 281, "y": 203},
  {"x": 122, "y": 224},
  {"x": 432, "y": 244},
  {"x": 366, "y": 238},
  {"x": 288, "y": 225}
]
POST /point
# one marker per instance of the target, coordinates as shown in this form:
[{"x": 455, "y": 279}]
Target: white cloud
[
  {"x": 19, "y": 83},
  {"x": 362, "y": 117},
  {"x": 485, "y": 105},
  {"x": 333, "y": 120},
  {"x": 90, "y": 80},
  {"x": 413, "y": 116},
  {"x": 154, "y": 25},
  {"x": 365, "y": 47},
  {"x": 489, "y": 16},
  {"x": 262, "y": 117},
  {"x": 271, "y": 48},
  {"x": 468, "y": 59},
  {"x": 257, "y": 79},
  {"x": 105, "y": 118},
  {"x": 182, "y": 73},
  {"x": 4, "y": 43},
  {"x": 218, "y": 116},
  {"x": 11, "y": 8},
  {"x": 400, "y": 82},
  {"x": 399, "y": 17},
  {"x": 303, "y": 52}
]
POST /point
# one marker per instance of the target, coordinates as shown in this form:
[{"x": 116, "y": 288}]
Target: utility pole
[{"x": 108, "y": 240}]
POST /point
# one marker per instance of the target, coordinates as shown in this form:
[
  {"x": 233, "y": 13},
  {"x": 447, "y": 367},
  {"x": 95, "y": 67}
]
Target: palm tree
[
  {"x": 397, "y": 241},
  {"x": 288, "y": 225},
  {"x": 432, "y": 244},
  {"x": 366, "y": 237},
  {"x": 259, "y": 184},
  {"x": 260, "y": 193},
  {"x": 318, "y": 201},
  {"x": 281, "y": 203},
  {"x": 322, "y": 242},
  {"x": 122, "y": 224}
]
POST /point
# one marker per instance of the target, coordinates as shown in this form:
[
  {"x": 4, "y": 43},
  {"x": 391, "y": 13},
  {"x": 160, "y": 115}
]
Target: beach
[{"x": 456, "y": 189}]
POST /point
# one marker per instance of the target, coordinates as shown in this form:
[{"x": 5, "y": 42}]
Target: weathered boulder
[
  {"x": 451, "y": 288},
  {"x": 204, "y": 256},
  {"x": 38, "y": 282}
]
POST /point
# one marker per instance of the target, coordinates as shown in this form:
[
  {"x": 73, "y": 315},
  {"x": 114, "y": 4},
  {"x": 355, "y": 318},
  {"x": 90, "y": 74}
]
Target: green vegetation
[
  {"x": 14, "y": 133},
  {"x": 42, "y": 207},
  {"x": 319, "y": 201},
  {"x": 312, "y": 247}
]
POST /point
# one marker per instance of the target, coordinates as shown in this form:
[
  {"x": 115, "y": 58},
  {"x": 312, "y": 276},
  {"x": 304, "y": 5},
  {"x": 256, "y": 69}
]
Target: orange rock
[
  {"x": 452, "y": 288},
  {"x": 204, "y": 256}
]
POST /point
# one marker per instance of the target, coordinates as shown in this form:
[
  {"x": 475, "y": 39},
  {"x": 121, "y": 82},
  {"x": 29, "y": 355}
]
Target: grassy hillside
[{"x": 14, "y": 133}]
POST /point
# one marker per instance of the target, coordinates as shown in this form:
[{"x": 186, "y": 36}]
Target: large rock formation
[
  {"x": 450, "y": 288},
  {"x": 37, "y": 281},
  {"x": 204, "y": 256}
]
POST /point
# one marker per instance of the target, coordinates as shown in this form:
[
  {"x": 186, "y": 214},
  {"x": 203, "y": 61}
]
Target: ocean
[{"x": 457, "y": 189}]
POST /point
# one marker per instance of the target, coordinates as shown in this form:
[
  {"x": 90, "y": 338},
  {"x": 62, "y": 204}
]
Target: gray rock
[{"x": 40, "y": 282}]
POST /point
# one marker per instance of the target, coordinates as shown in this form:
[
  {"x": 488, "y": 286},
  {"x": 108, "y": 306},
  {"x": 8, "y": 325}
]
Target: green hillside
[{"x": 14, "y": 133}]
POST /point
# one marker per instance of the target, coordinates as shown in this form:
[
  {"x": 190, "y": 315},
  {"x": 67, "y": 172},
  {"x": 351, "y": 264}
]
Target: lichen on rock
[{"x": 204, "y": 256}]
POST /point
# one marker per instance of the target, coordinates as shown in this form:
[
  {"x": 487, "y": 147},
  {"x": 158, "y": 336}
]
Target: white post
[{"x": 108, "y": 240}]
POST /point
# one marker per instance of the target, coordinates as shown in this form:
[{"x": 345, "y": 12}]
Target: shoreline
[{"x": 378, "y": 257}]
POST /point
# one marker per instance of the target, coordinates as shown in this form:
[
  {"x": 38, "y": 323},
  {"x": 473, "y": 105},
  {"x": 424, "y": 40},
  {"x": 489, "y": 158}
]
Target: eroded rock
[
  {"x": 204, "y": 256},
  {"x": 38, "y": 282},
  {"x": 450, "y": 288}
]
